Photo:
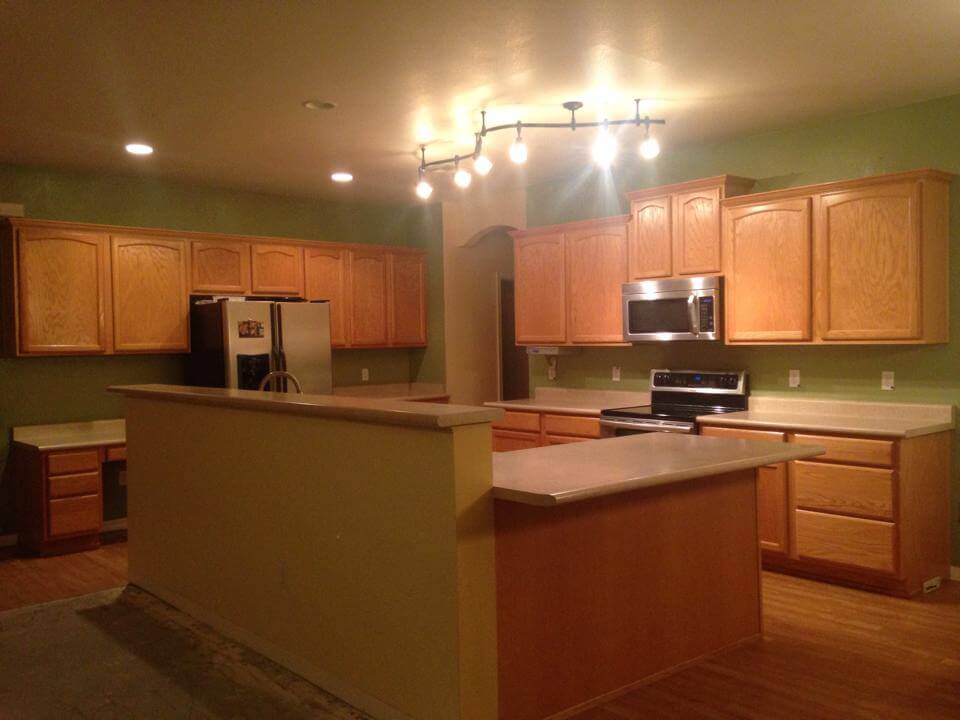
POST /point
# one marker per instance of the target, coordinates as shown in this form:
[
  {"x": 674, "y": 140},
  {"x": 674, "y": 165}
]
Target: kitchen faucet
[{"x": 277, "y": 374}]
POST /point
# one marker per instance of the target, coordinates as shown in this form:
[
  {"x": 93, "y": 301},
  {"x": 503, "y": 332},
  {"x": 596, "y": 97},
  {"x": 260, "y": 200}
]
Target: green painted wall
[
  {"x": 50, "y": 390},
  {"x": 917, "y": 136}
]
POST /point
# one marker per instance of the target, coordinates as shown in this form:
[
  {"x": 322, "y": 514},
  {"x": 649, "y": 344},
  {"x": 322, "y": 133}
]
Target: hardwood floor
[
  {"x": 28, "y": 581},
  {"x": 828, "y": 652}
]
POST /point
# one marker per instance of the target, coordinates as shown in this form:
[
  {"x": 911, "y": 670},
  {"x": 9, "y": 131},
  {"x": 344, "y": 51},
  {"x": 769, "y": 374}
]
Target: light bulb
[
  {"x": 139, "y": 149},
  {"x": 518, "y": 151},
  {"x": 462, "y": 178},
  {"x": 424, "y": 189},
  {"x": 482, "y": 165},
  {"x": 605, "y": 149},
  {"x": 341, "y": 177},
  {"x": 649, "y": 148}
]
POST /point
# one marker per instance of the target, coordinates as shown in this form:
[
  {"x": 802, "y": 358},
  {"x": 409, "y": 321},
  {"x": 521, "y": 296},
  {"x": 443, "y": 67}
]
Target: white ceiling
[{"x": 216, "y": 86}]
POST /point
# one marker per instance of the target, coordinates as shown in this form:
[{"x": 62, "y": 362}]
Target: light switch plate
[
  {"x": 615, "y": 373},
  {"x": 886, "y": 380},
  {"x": 365, "y": 374},
  {"x": 794, "y": 378},
  {"x": 11, "y": 209}
]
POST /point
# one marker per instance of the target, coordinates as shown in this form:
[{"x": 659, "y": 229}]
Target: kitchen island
[{"x": 378, "y": 549}]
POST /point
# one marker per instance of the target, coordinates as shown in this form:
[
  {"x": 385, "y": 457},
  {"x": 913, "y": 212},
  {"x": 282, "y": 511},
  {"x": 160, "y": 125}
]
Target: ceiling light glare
[
  {"x": 649, "y": 148},
  {"x": 424, "y": 189},
  {"x": 462, "y": 178},
  {"x": 483, "y": 165},
  {"x": 605, "y": 149},
  {"x": 139, "y": 149},
  {"x": 341, "y": 177},
  {"x": 518, "y": 151}
]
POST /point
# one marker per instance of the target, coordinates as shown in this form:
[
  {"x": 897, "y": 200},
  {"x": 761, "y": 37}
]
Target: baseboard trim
[
  {"x": 114, "y": 525},
  {"x": 955, "y": 572},
  {"x": 309, "y": 672}
]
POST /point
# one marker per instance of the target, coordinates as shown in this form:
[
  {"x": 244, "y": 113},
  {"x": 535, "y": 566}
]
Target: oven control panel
[{"x": 698, "y": 381}]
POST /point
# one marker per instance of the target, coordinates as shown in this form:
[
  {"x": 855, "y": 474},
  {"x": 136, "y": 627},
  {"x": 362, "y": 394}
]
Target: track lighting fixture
[
  {"x": 518, "y": 151},
  {"x": 462, "y": 178},
  {"x": 605, "y": 148}
]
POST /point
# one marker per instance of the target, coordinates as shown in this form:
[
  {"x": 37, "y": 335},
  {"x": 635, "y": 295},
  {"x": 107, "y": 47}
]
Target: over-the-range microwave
[{"x": 680, "y": 309}]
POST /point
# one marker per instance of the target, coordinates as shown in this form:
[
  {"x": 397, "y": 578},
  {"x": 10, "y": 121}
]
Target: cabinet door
[
  {"x": 508, "y": 440},
  {"x": 220, "y": 267},
  {"x": 540, "y": 299},
  {"x": 772, "y": 507},
  {"x": 326, "y": 279},
  {"x": 62, "y": 277},
  {"x": 150, "y": 295},
  {"x": 696, "y": 230},
  {"x": 277, "y": 270},
  {"x": 408, "y": 299},
  {"x": 868, "y": 263},
  {"x": 650, "y": 247},
  {"x": 368, "y": 298},
  {"x": 767, "y": 259},
  {"x": 596, "y": 270}
]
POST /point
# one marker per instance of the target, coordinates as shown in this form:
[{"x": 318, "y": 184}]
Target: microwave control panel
[{"x": 706, "y": 315}]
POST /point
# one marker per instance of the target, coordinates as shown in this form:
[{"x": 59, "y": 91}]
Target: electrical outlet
[
  {"x": 794, "y": 378},
  {"x": 615, "y": 373},
  {"x": 886, "y": 380},
  {"x": 365, "y": 374}
]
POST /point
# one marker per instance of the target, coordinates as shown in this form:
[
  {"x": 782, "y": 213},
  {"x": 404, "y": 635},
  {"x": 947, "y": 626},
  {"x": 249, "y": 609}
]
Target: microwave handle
[{"x": 693, "y": 311}]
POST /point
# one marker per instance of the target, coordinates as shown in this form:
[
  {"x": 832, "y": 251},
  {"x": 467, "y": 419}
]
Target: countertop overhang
[
  {"x": 561, "y": 474},
  {"x": 436, "y": 416}
]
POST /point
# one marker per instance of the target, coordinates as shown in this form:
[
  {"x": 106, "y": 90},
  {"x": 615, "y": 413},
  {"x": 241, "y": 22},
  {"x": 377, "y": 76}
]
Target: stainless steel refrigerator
[{"x": 236, "y": 342}]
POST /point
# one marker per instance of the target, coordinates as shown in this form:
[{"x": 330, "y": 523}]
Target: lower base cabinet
[
  {"x": 870, "y": 512},
  {"x": 522, "y": 430}
]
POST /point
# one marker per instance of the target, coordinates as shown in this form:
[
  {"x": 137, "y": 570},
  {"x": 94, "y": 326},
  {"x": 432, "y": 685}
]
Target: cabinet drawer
[
  {"x": 513, "y": 420},
  {"x": 64, "y": 463},
  {"x": 859, "y": 451},
  {"x": 115, "y": 454},
  {"x": 579, "y": 425},
  {"x": 80, "y": 484},
  {"x": 564, "y": 439},
  {"x": 743, "y": 434},
  {"x": 507, "y": 440},
  {"x": 848, "y": 540},
  {"x": 844, "y": 489},
  {"x": 75, "y": 515}
]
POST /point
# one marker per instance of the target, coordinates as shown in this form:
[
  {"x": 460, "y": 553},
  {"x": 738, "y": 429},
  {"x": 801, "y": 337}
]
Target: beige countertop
[
  {"x": 392, "y": 412},
  {"x": 65, "y": 436},
  {"x": 567, "y": 473},
  {"x": 831, "y": 416},
  {"x": 573, "y": 401},
  {"x": 414, "y": 392}
]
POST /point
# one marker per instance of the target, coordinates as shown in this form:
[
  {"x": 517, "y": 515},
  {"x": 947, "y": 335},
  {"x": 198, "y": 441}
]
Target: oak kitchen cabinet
[
  {"x": 408, "y": 299},
  {"x": 871, "y": 511},
  {"x": 326, "y": 268},
  {"x": 276, "y": 270},
  {"x": 858, "y": 261},
  {"x": 568, "y": 281},
  {"x": 220, "y": 267},
  {"x": 674, "y": 230},
  {"x": 519, "y": 430},
  {"x": 368, "y": 301}
]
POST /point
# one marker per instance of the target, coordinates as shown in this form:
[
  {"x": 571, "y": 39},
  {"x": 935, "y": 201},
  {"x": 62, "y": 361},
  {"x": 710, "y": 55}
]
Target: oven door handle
[
  {"x": 647, "y": 426},
  {"x": 693, "y": 313}
]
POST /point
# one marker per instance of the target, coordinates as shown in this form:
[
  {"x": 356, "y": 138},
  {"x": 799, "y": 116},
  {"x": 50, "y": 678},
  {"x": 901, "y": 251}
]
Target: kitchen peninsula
[{"x": 381, "y": 551}]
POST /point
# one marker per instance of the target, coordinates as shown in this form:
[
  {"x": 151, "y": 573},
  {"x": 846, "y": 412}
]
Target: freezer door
[
  {"x": 247, "y": 342},
  {"x": 304, "y": 344}
]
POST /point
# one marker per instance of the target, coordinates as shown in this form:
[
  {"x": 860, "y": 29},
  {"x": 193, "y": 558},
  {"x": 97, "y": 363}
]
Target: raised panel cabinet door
[
  {"x": 539, "y": 282},
  {"x": 767, "y": 259},
  {"x": 62, "y": 291},
  {"x": 368, "y": 298},
  {"x": 596, "y": 271},
  {"x": 220, "y": 267},
  {"x": 772, "y": 507},
  {"x": 696, "y": 238},
  {"x": 868, "y": 263},
  {"x": 408, "y": 299},
  {"x": 326, "y": 279},
  {"x": 277, "y": 270},
  {"x": 650, "y": 248},
  {"x": 150, "y": 295}
]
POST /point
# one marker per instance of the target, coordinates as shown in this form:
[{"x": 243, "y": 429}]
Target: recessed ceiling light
[
  {"x": 319, "y": 105},
  {"x": 341, "y": 177},
  {"x": 139, "y": 149}
]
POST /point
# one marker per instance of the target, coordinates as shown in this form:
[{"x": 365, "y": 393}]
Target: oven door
[
  {"x": 617, "y": 427},
  {"x": 675, "y": 315}
]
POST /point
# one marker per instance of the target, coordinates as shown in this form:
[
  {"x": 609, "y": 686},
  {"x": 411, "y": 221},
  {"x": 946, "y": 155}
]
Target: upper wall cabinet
[
  {"x": 408, "y": 299},
  {"x": 368, "y": 297},
  {"x": 540, "y": 295},
  {"x": 220, "y": 267},
  {"x": 59, "y": 295},
  {"x": 277, "y": 270},
  {"x": 150, "y": 294},
  {"x": 325, "y": 267},
  {"x": 596, "y": 257},
  {"x": 877, "y": 273},
  {"x": 674, "y": 230}
]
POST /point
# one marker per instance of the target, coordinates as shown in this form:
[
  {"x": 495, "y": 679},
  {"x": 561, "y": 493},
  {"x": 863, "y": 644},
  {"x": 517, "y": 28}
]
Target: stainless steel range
[{"x": 677, "y": 397}]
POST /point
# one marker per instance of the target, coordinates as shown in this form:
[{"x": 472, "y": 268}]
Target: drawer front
[
  {"x": 79, "y": 484},
  {"x": 742, "y": 434},
  {"x": 65, "y": 463},
  {"x": 75, "y": 515},
  {"x": 867, "y": 544},
  {"x": 858, "y": 451},
  {"x": 507, "y": 440},
  {"x": 117, "y": 453},
  {"x": 579, "y": 425},
  {"x": 514, "y": 420},
  {"x": 844, "y": 489},
  {"x": 564, "y": 439}
]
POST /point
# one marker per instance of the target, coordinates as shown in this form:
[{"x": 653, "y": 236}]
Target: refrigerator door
[
  {"x": 304, "y": 344},
  {"x": 247, "y": 342}
]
